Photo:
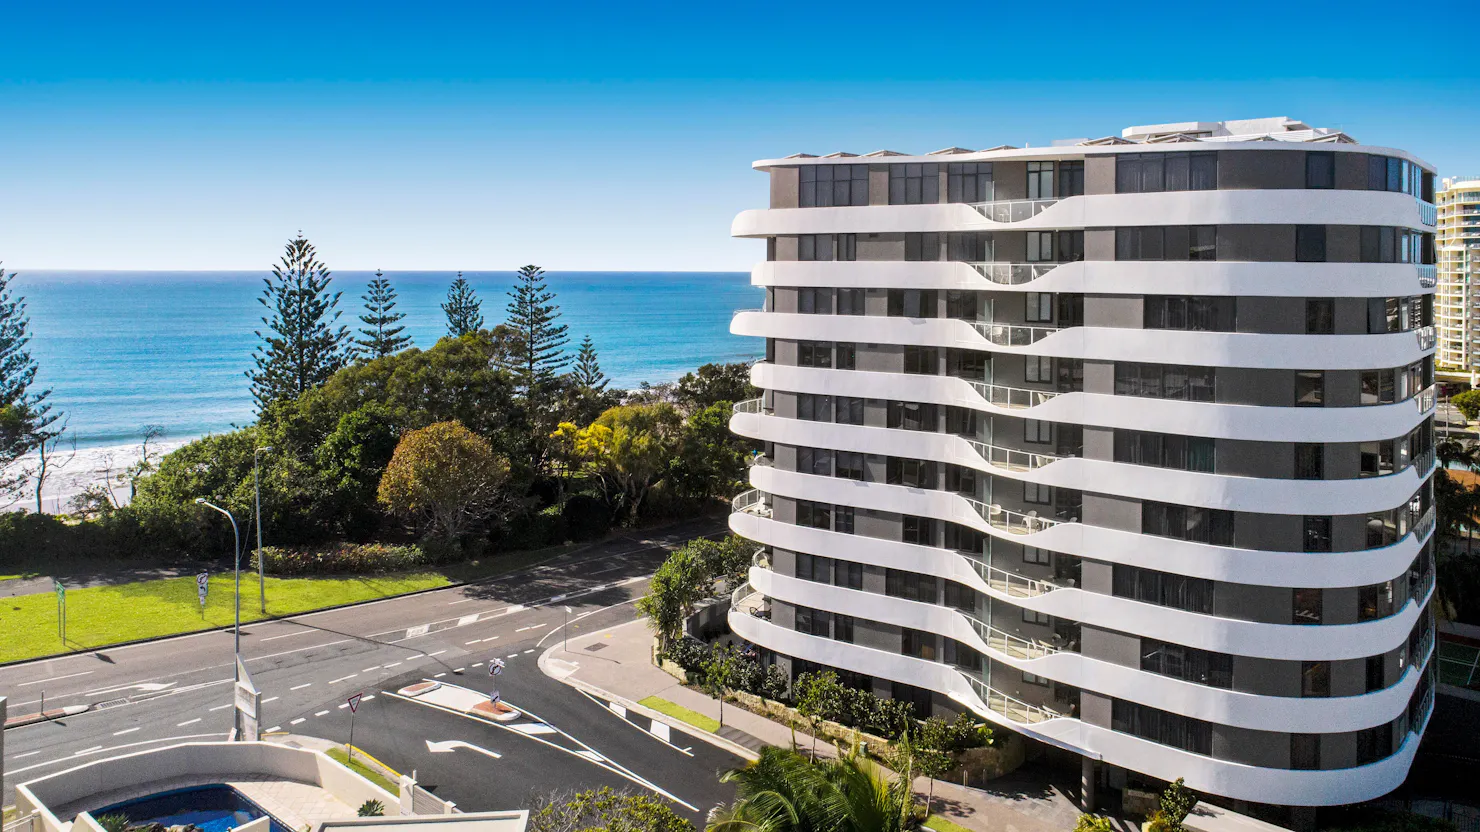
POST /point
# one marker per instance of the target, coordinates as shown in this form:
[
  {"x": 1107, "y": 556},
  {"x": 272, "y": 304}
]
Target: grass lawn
[
  {"x": 694, "y": 718},
  {"x": 106, "y": 615},
  {"x": 364, "y": 771},
  {"x": 940, "y": 824}
]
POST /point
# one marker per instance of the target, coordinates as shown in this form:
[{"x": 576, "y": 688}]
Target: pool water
[{"x": 216, "y": 808}]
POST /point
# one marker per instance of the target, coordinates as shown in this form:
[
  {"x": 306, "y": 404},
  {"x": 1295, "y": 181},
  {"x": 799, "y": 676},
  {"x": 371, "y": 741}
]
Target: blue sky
[{"x": 616, "y": 136}]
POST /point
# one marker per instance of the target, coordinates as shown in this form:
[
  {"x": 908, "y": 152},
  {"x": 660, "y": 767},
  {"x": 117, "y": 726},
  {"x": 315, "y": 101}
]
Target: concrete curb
[
  {"x": 677, "y": 724},
  {"x": 46, "y": 716}
]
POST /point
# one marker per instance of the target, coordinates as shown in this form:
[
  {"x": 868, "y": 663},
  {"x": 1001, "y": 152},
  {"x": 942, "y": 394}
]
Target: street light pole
[
  {"x": 236, "y": 553},
  {"x": 256, "y": 487}
]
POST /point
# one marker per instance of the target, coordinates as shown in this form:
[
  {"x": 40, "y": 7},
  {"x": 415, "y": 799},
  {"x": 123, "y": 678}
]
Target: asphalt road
[{"x": 307, "y": 666}]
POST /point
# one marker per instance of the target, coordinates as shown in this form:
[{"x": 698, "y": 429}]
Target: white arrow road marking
[{"x": 447, "y": 746}]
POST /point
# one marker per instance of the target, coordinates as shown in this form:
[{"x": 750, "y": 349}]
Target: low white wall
[{"x": 222, "y": 761}]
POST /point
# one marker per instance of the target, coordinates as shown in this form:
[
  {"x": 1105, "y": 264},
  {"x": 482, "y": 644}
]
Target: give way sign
[{"x": 354, "y": 702}]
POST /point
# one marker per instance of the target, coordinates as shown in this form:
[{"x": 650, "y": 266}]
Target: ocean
[{"x": 121, "y": 350}]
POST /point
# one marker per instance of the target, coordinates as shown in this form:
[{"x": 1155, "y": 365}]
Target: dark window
[
  {"x": 912, "y": 303},
  {"x": 1305, "y": 752},
  {"x": 849, "y": 466},
  {"x": 1163, "y": 450},
  {"x": 814, "y": 515},
  {"x": 848, "y": 574},
  {"x": 960, "y": 597},
  {"x": 1193, "y": 313},
  {"x": 1038, "y": 368},
  {"x": 1375, "y": 601},
  {"x": 1037, "y": 431},
  {"x": 914, "y": 184},
  {"x": 918, "y": 644},
  {"x": 961, "y": 305},
  {"x": 1376, "y": 673},
  {"x": 814, "y": 461},
  {"x": 1039, "y": 247},
  {"x": 814, "y": 354},
  {"x": 915, "y": 473},
  {"x": 1164, "y": 589},
  {"x": 1375, "y": 743},
  {"x": 1139, "y": 173},
  {"x": 1140, "y": 243},
  {"x": 1320, "y": 169},
  {"x": 1310, "y": 388},
  {"x": 814, "y": 408},
  {"x": 1040, "y": 180},
  {"x": 921, "y": 361},
  {"x": 1036, "y": 494},
  {"x": 1187, "y": 663},
  {"x": 1165, "y": 381},
  {"x": 918, "y": 530},
  {"x": 1316, "y": 534},
  {"x": 849, "y": 410},
  {"x": 911, "y": 416},
  {"x": 846, "y": 356},
  {"x": 1162, "y": 727},
  {"x": 910, "y": 585},
  {"x": 969, "y": 182},
  {"x": 1310, "y": 243},
  {"x": 843, "y": 519},
  {"x": 1202, "y": 242},
  {"x": 814, "y": 568},
  {"x": 1310, "y": 461},
  {"x": 1200, "y": 525},
  {"x": 815, "y": 247},
  {"x": 1069, "y": 246},
  {"x": 847, "y": 247},
  {"x": 1320, "y": 316},
  {"x": 850, "y": 302},
  {"x": 922, "y": 246},
  {"x": 843, "y": 628},
  {"x": 825, "y": 186},
  {"x": 1037, "y": 307},
  {"x": 1071, "y": 179},
  {"x": 814, "y": 301},
  {"x": 1306, "y": 606}
]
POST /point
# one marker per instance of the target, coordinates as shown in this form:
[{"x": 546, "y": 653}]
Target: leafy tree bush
[
  {"x": 445, "y": 476},
  {"x": 629, "y": 449},
  {"x": 604, "y": 810},
  {"x": 711, "y": 384},
  {"x": 586, "y": 517},
  {"x": 955, "y": 735},
  {"x": 343, "y": 559},
  {"x": 1174, "y": 806},
  {"x": 371, "y": 809},
  {"x": 1093, "y": 823},
  {"x": 113, "y": 822},
  {"x": 784, "y": 791},
  {"x": 1468, "y": 403}
]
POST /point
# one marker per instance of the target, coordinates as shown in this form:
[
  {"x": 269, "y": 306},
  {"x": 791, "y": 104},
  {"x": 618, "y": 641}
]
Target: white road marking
[
  {"x": 466, "y": 620},
  {"x": 451, "y": 745},
  {"x": 187, "y": 722},
  {"x": 608, "y": 569},
  {"x": 218, "y": 707},
  {"x": 271, "y": 699},
  {"x": 56, "y": 678},
  {"x": 321, "y": 713},
  {"x": 531, "y": 627},
  {"x": 296, "y": 721},
  {"x": 128, "y": 731},
  {"x": 86, "y": 751},
  {"x": 438, "y": 653},
  {"x": 391, "y": 665},
  {"x": 27, "y": 754},
  {"x": 591, "y": 755},
  {"x": 460, "y": 601},
  {"x": 459, "y": 670},
  {"x": 558, "y": 630},
  {"x": 289, "y": 635},
  {"x": 530, "y": 650},
  {"x": 274, "y": 729},
  {"x": 302, "y": 686},
  {"x": 418, "y": 631},
  {"x": 534, "y": 728},
  {"x": 474, "y": 641},
  {"x": 476, "y": 664},
  {"x": 368, "y": 698},
  {"x": 345, "y": 705},
  {"x": 439, "y": 675},
  {"x": 342, "y": 678},
  {"x": 617, "y": 709},
  {"x": 661, "y": 731},
  {"x": 368, "y": 669},
  {"x": 512, "y": 656}
]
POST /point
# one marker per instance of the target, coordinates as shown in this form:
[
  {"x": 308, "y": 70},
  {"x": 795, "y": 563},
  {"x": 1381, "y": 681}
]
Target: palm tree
[
  {"x": 1451, "y": 451},
  {"x": 784, "y": 791}
]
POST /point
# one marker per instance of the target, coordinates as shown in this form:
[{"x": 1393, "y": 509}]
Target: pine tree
[
  {"x": 302, "y": 346},
  {"x": 540, "y": 348},
  {"x": 462, "y": 309},
  {"x": 382, "y": 333},
  {"x": 24, "y": 415},
  {"x": 587, "y": 373}
]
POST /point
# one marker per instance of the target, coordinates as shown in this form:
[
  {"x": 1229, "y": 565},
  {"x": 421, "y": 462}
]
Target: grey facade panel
[
  {"x": 1110, "y": 646},
  {"x": 1121, "y": 311},
  {"x": 785, "y": 187},
  {"x": 1099, "y": 175},
  {"x": 1256, "y": 243},
  {"x": 1261, "y": 170},
  {"x": 1112, "y": 512}
]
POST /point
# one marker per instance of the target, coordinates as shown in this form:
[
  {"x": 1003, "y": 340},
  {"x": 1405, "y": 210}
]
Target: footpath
[{"x": 614, "y": 664}]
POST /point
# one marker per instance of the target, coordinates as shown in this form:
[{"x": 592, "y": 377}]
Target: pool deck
[{"x": 295, "y": 805}]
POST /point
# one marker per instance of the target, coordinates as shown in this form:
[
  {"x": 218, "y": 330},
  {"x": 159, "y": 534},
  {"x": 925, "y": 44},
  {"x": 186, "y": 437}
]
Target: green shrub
[
  {"x": 1093, "y": 823},
  {"x": 1467, "y": 402},
  {"x": 371, "y": 809},
  {"x": 586, "y": 517},
  {"x": 345, "y": 558},
  {"x": 115, "y": 822}
]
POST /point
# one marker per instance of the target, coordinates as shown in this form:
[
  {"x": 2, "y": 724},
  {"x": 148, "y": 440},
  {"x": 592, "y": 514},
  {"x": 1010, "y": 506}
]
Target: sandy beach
[{"x": 73, "y": 472}]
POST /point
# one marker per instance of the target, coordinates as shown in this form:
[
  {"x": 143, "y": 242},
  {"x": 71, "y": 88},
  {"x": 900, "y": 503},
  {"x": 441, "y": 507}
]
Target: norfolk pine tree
[
  {"x": 587, "y": 372},
  {"x": 302, "y": 346},
  {"x": 540, "y": 351},
  {"x": 462, "y": 309},
  {"x": 24, "y": 415},
  {"x": 382, "y": 328}
]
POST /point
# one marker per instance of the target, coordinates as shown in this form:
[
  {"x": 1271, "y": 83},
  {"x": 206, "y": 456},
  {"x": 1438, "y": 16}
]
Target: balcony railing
[
  {"x": 1426, "y": 707},
  {"x": 1013, "y": 274},
  {"x": 1014, "y": 397},
  {"x": 1425, "y": 399},
  {"x": 756, "y": 405},
  {"x": 1425, "y": 525},
  {"x": 1428, "y": 276},
  {"x": 1013, "y": 335},
  {"x": 1010, "y": 583},
  {"x": 1426, "y": 337},
  {"x": 738, "y": 312},
  {"x": 1008, "y": 644},
  {"x": 761, "y": 559},
  {"x": 1428, "y": 212},
  {"x": 1425, "y": 644},
  {"x": 761, "y": 461},
  {"x": 1010, "y": 458},
  {"x": 1423, "y": 462},
  {"x": 1015, "y": 710},
  {"x": 1015, "y": 210},
  {"x": 752, "y": 502},
  {"x": 747, "y": 600},
  {"x": 1011, "y": 521}
]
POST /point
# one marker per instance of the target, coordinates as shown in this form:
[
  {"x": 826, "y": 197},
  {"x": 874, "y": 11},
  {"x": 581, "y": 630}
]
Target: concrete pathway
[{"x": 616, "y": 663}]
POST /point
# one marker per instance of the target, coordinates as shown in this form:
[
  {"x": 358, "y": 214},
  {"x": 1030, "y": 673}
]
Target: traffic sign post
[
  {"x": 354, "y": 705},
  {"x": 61, "y": 609},
  {"x": 495, "y": 667},
  {"x": 202, "y": 583}
]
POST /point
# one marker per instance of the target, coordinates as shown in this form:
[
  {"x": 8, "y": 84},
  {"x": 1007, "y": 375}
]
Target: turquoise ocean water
[{"x": 124, "y": 349}]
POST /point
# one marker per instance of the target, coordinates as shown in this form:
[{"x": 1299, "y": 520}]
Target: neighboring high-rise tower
[
  {"x": 1123, "y": 444},
  {"x": 1457, "y": 306}
]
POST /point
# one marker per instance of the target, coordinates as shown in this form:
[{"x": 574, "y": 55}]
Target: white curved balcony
[
  {"x": 1427, "y": 338},
  {"x": 1164, "y": 554},
  {"x": 1013, "y": 210},
  {"x": 1012, "y": 459},
  {"x": 756, "y": 405},
  {"x": 1221, "y": 421},
  {"x": 754, "y": 501},
  {"x": 1236, "y": 780},
  {"x": 1428, "y": 276},
  {"x": 1109, "y": 277},
  {"x": 1013, "y": 335},
  {"x": 1012, "y": 522}
]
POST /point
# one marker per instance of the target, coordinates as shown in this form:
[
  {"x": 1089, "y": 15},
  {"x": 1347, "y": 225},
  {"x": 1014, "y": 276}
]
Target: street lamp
[
  {"x": 256, "y": 487},
  {"x": 236, "y": 553}
]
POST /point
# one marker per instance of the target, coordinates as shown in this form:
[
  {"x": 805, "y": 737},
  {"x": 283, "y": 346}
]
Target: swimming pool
[{"x": 213, "y": 808}]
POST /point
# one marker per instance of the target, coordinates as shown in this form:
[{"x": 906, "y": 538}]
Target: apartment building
[
  {"x": 1123, "y": 444},
  {"x": 1457, "y": 302}
]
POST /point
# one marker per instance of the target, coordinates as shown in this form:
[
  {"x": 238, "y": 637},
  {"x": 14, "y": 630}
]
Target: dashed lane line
[
  {"x": 87, "y": 751},
  {"x": 128, "y": 730},
  {"x": 321, "y": 713},
  {"x": 296, "y": 721},
  {"x": 302, "y": 686},
  {"x": 271, "y": 699},
  {"x": 219, "y": 707},
  {"x": 187, "y": 722}
]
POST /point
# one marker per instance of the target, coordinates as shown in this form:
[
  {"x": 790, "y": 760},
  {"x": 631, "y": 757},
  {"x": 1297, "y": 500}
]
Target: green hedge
[{"x": 344, "y": 558}]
